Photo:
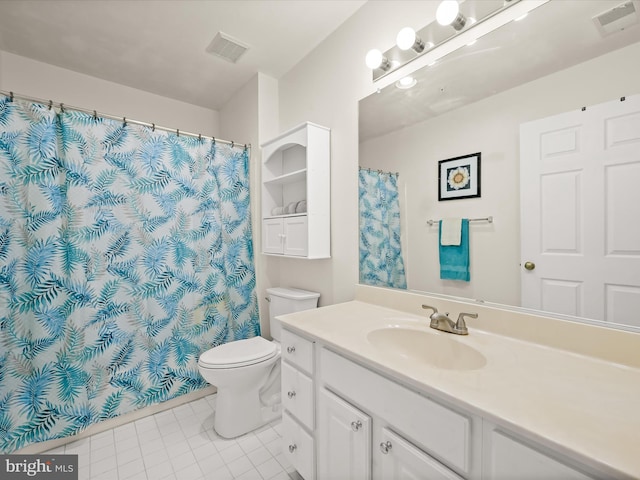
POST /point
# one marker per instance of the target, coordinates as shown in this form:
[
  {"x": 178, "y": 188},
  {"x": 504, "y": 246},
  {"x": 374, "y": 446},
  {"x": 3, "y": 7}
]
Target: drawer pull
[
  {"x": 355, "y": 426},
  {"x": 292, "y": 448},
  {"x": 291, "y": 349},
  {"x": 291, "y": 394},
  {"x": 385, "y": 447}
]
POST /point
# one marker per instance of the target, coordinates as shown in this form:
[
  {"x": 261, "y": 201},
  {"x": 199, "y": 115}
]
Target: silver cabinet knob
[
  {"x": 355, "y": 426},
  {"x": 291, "y": 349},
  {"x": 292, "y": 448},
  {"x": 291, "y": 394},
  {"x": 385, "y": 447}
]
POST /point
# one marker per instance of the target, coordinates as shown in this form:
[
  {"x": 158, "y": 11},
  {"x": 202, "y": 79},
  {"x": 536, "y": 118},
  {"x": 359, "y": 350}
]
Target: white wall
[
  {"x": 325, "y": 88},
  {"x": 250, "y": 116},
  {"x": 490, "y": 126},
  {"x": 41, "y": 80}
]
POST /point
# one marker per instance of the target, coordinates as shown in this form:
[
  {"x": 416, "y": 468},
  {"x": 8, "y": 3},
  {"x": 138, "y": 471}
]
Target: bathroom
[{"x": 324, "y": 86}]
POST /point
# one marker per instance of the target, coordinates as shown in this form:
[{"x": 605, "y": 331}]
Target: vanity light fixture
[
  {"x": 407, "y": 39},
  {"x": 448, "y": 13},
  {"x": 406, "y": 82},
  {"x": 375, "y": 59}
]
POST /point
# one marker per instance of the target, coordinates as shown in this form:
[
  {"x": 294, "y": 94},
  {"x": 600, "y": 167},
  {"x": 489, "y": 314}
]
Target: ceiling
[
  {"x": 553, "y": 37},
  {"x": 159, "y": 45}
]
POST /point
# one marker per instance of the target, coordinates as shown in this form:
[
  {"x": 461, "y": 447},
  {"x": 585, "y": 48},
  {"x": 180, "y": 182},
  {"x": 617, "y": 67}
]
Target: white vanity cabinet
[
  {"x": 508, "y": 458},
  {"x": 297, "y": 391},
  {"x": 410, "y": 434},
  {"x": 296, "y": 193}
]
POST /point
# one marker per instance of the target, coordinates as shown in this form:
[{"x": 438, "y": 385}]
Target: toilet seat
[{"x": 238, "y": 354}]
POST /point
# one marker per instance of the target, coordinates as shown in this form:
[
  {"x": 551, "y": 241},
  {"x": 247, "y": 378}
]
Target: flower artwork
[{"x": 459, "y": 177}]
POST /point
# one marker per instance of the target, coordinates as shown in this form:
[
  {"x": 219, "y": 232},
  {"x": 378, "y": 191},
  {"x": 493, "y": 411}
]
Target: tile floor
[{"x": 180, "y": 444}]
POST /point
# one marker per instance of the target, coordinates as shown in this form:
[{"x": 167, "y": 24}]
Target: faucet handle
[
  {"x": 461, "y": 326},
  {"x": 427, "y": 307}
]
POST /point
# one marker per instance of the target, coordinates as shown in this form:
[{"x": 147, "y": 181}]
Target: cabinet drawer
[
  {"x": 439, "y": 430},
  {"x": 297, "y": 394},
  {"x": 298, "y": 447},
  {"x": 297, "y": 351}
]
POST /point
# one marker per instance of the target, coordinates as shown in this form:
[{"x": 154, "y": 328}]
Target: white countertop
[{"x": 581, "y": 406}]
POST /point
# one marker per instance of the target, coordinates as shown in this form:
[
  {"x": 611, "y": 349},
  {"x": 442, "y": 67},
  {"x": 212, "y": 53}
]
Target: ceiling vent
[
  {"x": 227, "y": 47},
  {"x": 616, "y": 19}
]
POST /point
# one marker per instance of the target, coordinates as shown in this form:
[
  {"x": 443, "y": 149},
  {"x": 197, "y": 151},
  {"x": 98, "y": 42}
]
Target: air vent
[
  {"x": 227, "y": 47},
  {"x": 616, "y": 19}
]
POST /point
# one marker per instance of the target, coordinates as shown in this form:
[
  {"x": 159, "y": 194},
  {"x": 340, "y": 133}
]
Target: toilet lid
[{"x": 238, "y": 354}]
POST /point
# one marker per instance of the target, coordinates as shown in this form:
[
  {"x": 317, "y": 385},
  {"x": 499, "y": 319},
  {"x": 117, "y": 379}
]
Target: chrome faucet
[{"x": 442, "y": 322}]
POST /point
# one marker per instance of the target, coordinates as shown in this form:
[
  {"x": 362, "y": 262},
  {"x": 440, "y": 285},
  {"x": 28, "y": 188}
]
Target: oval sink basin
[{"x": 438, "y": 351}]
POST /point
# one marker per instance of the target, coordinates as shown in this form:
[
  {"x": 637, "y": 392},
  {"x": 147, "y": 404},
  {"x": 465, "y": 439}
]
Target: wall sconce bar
[{"x": 434, "y": 34}]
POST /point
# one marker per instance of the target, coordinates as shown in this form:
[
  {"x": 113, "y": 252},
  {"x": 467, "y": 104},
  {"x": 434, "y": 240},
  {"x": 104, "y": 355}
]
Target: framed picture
[{"x": 459, "y": 177}]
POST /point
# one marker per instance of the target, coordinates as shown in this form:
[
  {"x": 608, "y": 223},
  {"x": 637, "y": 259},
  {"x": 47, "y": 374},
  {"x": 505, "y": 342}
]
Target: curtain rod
[
  {"x": 125, "y": 120},
  {"x": 377, "y": 170}
]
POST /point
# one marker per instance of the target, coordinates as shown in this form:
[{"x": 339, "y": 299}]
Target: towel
[
  {"x": 454, "y": 259},
  {"x": 450, "y": 231}
]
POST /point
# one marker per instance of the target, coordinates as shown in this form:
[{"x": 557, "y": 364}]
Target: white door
[
  {"x": 400, "y": 460},
  {"x": 344, "y": 440},
  {"x": 580, "y": 211}
]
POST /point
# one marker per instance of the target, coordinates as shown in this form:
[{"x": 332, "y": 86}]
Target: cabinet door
[
  {"x": 400, "y": 460},
  {"x": 508, "y": 459},
  {"x": 296, "y": 236},
  {"x": 344, "y": 440},
  {"x": 272, "y": 236}
]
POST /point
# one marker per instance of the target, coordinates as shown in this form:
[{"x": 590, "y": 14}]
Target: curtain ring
[
  {"x": 232, "y": 144},
  {"x": 177, "y": 131},
  {"x": 124, "y": 121},
  {"x": 62, "y": 108},
  {"x": 11, "y": 96},
  {"x": 153, "y": 127},
  {"x": 95, "y": 115},
  {"x": 50, "y": 104},
  {"x": 200, "y": 137},
  {"x": 214, "y": 140},
  {"x": 245, "y": 147}
]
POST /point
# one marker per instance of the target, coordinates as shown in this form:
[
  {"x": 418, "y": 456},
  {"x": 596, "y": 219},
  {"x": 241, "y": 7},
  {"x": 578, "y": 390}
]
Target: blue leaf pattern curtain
[
  {"x": 124, "y": 254},
  {"x": 381, "y": 262}
]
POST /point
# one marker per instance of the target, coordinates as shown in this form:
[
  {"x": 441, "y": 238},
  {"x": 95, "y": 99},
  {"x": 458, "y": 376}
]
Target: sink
[{"x": 437, "y": 350}]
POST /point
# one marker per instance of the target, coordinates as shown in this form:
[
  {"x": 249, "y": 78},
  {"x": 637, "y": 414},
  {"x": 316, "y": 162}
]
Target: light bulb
[
  {"x": 406, "y": 82},
  {"x": 406, "y": 38},
  {"x": 374, "y": 59},
  {"x": 447, "y": 12}
]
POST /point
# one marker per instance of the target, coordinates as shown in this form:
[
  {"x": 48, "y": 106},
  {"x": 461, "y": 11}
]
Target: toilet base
[{"x": 241, "y": 411}]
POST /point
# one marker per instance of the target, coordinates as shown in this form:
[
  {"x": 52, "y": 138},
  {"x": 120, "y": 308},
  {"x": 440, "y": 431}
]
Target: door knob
[{"x": 529, "y": 265}]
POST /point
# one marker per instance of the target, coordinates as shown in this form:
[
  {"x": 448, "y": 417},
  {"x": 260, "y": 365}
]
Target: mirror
[{"x": 556, "y": 60}]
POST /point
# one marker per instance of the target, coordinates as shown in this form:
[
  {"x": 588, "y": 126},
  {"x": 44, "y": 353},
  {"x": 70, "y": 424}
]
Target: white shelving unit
[{"x": 295, "y": 170}]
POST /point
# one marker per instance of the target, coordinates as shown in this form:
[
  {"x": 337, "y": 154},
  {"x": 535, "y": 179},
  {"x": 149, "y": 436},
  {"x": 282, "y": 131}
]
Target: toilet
[{"x": 247, "y": 372}]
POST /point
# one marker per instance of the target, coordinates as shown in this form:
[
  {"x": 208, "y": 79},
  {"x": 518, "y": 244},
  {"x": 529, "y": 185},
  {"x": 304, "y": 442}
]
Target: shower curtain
[
  {"x": 381, "y": 262},
  {"x": 124, "y": 253}
]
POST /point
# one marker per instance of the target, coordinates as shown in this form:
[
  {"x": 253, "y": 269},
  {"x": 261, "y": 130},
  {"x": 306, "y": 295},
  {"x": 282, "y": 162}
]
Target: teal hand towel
[{"x": 454, "y": 259}]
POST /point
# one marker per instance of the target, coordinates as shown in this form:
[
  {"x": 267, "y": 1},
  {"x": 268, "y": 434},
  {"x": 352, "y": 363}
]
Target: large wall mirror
[{"x": 562, "y": 57}]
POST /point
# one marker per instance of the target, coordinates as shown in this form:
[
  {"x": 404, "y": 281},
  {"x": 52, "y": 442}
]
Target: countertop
[{"x": 581, "y": 406}]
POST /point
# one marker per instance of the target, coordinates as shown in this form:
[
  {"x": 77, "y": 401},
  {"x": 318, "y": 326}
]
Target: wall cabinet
[{"x": 296, "y": 193}]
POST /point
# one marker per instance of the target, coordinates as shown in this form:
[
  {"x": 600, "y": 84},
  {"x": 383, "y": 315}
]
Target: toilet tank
[{"x": 288, "y": 300}]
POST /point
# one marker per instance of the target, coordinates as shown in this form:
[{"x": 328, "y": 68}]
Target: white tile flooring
[{"x": 180, "y": 444}]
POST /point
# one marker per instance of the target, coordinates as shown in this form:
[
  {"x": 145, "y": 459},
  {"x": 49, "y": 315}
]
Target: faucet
[{"x": 442, "y": 322}]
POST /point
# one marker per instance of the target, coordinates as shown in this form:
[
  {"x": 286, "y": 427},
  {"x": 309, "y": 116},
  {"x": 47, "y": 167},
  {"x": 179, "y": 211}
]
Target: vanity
[{"x": 371, "y": 391}]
